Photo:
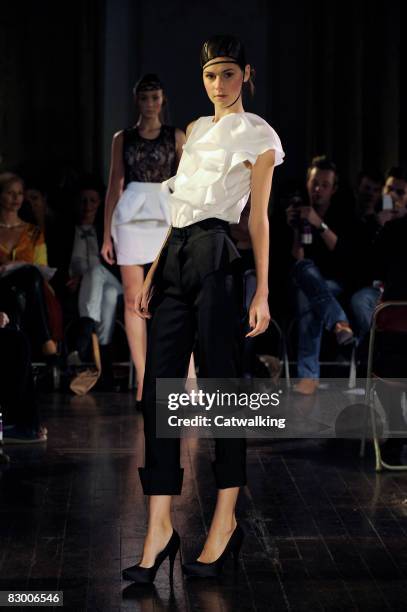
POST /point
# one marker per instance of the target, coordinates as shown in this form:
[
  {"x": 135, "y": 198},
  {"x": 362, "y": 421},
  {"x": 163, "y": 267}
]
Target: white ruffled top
[{"x": 212, "y": 179}]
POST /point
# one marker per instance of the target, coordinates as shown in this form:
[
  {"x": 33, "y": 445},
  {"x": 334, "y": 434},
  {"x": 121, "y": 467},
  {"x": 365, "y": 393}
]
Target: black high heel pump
[
  {"x": 146, "y": 575},
  {"x": 197, "y": 569}
]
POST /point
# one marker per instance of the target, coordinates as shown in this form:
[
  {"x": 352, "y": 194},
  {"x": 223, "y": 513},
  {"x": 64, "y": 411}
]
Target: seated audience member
[
  {"x": 42, "y": 216},
  {"x": 22, "y": 287},
  {"x": 396, "y": 186},
  {"x": 391, "y": 356},
  {"x": 290, "y": 192},
  {"x": 372, "y": 218},
  {"x": 92, "y": 284},
  {"x": 321, "y": 247},
  {"x": 369, "y": 193},
  {"x": 369, "y": 223},
  {"x": 17, "y": 394}
]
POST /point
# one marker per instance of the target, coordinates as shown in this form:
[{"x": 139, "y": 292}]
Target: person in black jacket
[
  {"x": 391, "y": 347},
  {"x": 18, "y": 401},
  {"x": 368, "y": 268}
]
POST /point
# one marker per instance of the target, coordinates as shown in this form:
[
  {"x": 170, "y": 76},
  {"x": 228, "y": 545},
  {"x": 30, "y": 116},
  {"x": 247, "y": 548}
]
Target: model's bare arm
[
  {"x": 179, "y": 142},
  {"x": 262, "y": 176},
  {"x": 114, "y": 191}
]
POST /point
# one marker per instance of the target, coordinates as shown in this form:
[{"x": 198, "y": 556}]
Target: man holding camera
[{"x": 322, "y": 239}]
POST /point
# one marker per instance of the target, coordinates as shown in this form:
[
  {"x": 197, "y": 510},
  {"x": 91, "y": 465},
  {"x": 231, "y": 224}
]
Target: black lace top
[{"x": 149, "y": 161}]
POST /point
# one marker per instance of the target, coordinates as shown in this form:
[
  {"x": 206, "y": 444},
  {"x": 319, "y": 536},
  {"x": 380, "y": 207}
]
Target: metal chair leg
[
  {"x": 352, "y": 369},
  {"x": 378, "y": 457}
]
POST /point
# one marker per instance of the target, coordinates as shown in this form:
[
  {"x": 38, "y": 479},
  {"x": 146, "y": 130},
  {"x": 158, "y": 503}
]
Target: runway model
[
  {"x": 137, "y": 213},
  {"x": 226, "y": 156}
]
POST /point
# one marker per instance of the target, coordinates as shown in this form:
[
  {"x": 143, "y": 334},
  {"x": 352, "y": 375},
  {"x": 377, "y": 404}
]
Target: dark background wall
[
  {"x": 50, "y": 82},
  {"x": 331, "y": 76}
]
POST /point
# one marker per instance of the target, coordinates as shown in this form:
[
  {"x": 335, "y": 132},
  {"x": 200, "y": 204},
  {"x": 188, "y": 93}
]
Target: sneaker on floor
[
  {"x": 306, "y": 386},
  {"x": 343, "y": 333}
]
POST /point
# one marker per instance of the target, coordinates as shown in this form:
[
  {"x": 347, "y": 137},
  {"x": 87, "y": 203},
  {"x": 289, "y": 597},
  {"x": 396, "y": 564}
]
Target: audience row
[{"x": 332, "y": 260}]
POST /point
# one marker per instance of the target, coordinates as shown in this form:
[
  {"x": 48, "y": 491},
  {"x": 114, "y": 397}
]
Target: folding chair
[{"x": 388, "y": 317}]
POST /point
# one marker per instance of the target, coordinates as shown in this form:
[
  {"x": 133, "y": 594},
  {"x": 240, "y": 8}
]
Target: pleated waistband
[{"x": 200, "y": 227}]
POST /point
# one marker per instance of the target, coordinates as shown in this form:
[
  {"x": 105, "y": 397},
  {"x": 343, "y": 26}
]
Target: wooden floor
[{"x": 323, "y": 531}]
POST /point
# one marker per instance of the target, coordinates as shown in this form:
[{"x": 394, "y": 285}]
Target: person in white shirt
[
  {"x": 91, "y": 282},
  {"x": 195, "y": 285}
]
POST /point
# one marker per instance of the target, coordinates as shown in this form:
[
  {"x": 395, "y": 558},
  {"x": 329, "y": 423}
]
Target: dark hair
[
  {"x": 397, "y": 172},
  {"x": 371, "y": 173},
  {"x": 322, "y": 162},
  {"x": 226, "y": 45},
  {"x": 148, "y": 82},
  {"x": 37, "y": 184},
  {"x": 91, "y": 182}
]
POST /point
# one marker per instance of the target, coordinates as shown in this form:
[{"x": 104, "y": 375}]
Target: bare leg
[
  {"x": 159, "y": 528},
  {"x": 222, "y": 526},
  {"x": 133, "y": 278},
  {"x": 191, "y": 367},
  {"x": 191, "y": 382}
]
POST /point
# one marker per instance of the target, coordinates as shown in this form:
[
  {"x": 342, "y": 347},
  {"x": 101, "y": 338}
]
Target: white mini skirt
[{"x": 140, "y": 223}]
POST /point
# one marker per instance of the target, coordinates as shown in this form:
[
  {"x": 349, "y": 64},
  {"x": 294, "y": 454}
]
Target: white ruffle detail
[
  {"x": 142, "y": 202},
  {"x": 212, "y": 179}
]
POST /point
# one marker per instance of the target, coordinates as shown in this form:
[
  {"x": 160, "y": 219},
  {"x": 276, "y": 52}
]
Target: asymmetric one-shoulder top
[{"x": 212, "y": 179}]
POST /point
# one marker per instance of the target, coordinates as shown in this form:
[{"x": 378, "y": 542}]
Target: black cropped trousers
[{"x": 197, "y": 294}]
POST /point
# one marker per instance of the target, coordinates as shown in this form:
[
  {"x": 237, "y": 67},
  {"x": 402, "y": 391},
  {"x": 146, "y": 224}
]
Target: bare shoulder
[
  {"x": 118, "y": 137},
  {"x": 179, "y": 136},
  {"x": 266, "y": 159},
  {"x": 190, "y": 127}
]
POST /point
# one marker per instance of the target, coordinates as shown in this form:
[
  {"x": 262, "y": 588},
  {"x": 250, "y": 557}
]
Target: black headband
[
  {"x": 228, "y": 61},
  {"x": 148, "y": 83}
]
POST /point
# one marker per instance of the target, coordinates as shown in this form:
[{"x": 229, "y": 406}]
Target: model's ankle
[
  {"x": 160, "y": 525},
  {"x": 225, "y": 525}
]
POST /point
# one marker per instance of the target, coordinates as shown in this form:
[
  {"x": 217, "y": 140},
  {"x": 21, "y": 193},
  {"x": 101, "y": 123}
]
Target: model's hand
[
  {"x": 308, "y": 213},
  {"x": 143, "y": 298},
  {"x": 4, "y": 320},
  {"x": 107, "y": 251},
  {"x": 259, "y": 316}
]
